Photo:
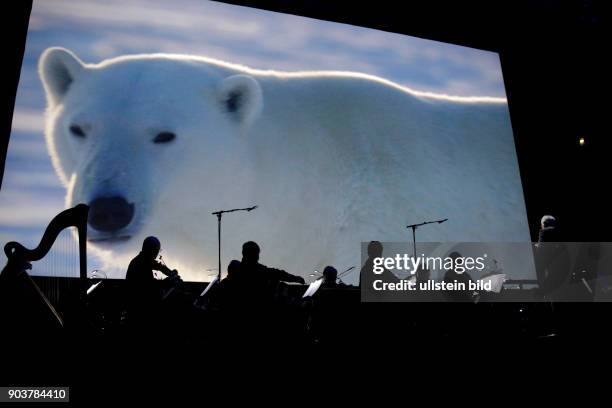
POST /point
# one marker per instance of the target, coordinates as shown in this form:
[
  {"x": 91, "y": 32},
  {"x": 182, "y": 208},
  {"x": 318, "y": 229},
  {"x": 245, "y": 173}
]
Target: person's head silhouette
[
  {"x": 250, "y": 252},
  {"x": 151, "y": 247},
  {"x": 233, "y": 267},
  {"x": 548, "y": 221},
  {"x": 375, "y": 249},
  {"x": 330, "y": 274}
]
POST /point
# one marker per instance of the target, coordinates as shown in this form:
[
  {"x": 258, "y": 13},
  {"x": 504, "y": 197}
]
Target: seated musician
[
  {"x": 143, "y": 294},
  {"x": 330, "y": 275},
  {"x": 330, "y": 278},
  {"x": 250, "y": 281},
  {"x": 453, "y": 276},
  {"x": 224, "y": 295},
  {"x": 367, "y": 275},
  {"x": 233, "y": 267}
]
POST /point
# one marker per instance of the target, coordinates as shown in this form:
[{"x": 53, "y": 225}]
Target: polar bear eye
[
  {"x": 164, "y": 137},
  {"x": 77, "y": 131}
]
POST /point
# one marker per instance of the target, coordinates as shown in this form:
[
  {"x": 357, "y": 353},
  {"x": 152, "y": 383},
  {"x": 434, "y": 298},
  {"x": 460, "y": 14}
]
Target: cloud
[
  {"x": 28, "y": 208},
  {"x": 152, "y": 15},
  {"x": 264, "y": 40},
  {"x": 28, "y": 120},
  {"x": 34, "y": 180}
]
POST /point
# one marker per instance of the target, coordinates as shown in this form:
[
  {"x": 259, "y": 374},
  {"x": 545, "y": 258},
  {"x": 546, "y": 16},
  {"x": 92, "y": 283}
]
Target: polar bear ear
[
  {"x": 241, "y": 98},
  {"x": 58, "y": 69}
]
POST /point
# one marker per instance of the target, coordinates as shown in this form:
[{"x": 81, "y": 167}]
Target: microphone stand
[
  {"x": 219, "y": 214},
  {"x": 415, "y": 226}
]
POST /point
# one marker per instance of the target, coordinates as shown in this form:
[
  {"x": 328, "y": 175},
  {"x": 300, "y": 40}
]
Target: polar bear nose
[{"x": 110, "y": 214}]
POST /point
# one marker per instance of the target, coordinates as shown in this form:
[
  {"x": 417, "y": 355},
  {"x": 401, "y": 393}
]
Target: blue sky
[{"x": 95, "y": 30}]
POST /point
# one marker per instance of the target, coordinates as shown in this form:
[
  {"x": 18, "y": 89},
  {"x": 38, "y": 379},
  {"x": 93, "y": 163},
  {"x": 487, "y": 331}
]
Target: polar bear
[{"x": 155, "y": 143}]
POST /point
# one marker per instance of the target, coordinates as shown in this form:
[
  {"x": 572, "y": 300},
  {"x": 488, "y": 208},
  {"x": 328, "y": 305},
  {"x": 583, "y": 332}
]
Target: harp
[{"x": 22, "y": 302}]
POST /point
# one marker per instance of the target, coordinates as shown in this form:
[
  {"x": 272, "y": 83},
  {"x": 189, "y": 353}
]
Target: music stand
[
  {"x": 210, "y": 285},
  {"x": 312, "y": 288}
]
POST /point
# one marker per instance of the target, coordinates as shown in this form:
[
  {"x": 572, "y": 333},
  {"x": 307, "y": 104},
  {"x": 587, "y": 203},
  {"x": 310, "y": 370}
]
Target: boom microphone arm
[
  {"x": 426, "y": 222},
  {"x": 219, "y": 213},
  {"x": 415, "y": 226}
]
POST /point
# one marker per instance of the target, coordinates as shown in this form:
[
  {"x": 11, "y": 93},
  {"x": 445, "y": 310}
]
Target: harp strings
[{"x": 62, "y": 261}]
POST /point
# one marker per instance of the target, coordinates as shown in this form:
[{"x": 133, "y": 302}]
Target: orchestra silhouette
[{"x": 263, "y": 304}]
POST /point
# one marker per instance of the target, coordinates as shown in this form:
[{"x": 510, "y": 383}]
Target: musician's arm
[
  {"x": 284, "y": 276},
  {"x": 158, "y": 266}
]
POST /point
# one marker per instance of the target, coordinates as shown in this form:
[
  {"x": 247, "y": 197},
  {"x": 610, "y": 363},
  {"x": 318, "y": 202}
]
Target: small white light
[{"x": 581, "y": 141}]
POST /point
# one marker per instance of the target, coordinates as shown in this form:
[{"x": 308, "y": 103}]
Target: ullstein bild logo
[
  {"x": 457, "y": 264},
  {"x": 485, "y": 271}
]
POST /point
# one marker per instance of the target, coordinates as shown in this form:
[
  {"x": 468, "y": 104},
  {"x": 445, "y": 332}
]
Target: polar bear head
[{"x": 124, "y": 136}]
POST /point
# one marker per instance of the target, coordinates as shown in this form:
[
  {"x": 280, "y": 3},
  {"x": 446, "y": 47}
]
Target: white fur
[{"x": 331, "y": 158}]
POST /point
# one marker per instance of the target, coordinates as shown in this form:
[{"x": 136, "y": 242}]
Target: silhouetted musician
[
  {"x": 252, "y": 282},
  {"x": 143, "y": 294},
  {"x": 367, "y": 275},
  {"x": 224, "y": 294},
  {"x": 453, "y": 276},
  {"x": 548, "y": 230},
  {"x": 551, "y": 256},
  {"x": 330, "y": 278}
]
